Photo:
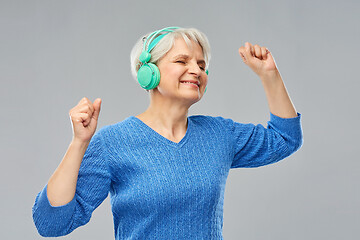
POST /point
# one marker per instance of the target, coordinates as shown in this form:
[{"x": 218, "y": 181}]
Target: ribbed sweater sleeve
[
  {"x": 255, "y": 145},
  {"x": 92, "y": 188}
]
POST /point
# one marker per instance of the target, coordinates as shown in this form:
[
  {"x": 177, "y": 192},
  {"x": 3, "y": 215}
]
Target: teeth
[{"x": 191, "y": 83}]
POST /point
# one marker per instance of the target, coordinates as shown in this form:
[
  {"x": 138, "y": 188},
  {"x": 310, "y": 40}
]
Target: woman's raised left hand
[{"x": 259, "y": 59}]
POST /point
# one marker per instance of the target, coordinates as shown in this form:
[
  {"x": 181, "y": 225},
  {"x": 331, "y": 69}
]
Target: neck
[{"x": 166, "y": 116}]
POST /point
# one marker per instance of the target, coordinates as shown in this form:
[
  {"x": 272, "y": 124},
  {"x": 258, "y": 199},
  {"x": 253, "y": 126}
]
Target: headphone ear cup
[{"x": 148, "y": 76}]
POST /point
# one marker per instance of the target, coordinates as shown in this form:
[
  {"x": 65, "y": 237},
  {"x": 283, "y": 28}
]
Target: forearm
[
  {"x": 62, "y": 184},
  {"x": 277, "y": 96}
]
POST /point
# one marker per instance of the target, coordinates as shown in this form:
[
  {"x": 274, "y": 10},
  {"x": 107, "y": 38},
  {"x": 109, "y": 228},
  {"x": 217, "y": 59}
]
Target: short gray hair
[{"x": 166, "y": 43}]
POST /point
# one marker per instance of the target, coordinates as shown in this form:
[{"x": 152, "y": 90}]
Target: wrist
[
  {"x": 270, "y": 76},
  {"x": 78, "y": 143}
]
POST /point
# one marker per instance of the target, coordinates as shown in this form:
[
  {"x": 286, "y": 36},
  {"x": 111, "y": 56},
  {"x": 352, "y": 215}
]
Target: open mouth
[{"x": 190, "y": 83}]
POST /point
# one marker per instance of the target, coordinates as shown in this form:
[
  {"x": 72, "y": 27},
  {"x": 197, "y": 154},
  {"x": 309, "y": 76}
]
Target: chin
[
  {"x": 193, "y": 98},
  {"x": 185, "y": 96}
]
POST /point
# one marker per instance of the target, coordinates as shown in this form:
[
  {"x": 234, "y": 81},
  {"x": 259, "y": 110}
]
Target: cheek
[
  {"x": 205, "y": 80},
  {"x": 171, "y": 72}
]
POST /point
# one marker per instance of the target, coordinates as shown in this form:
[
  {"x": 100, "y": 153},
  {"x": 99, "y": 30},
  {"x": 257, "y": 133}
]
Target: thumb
[{"x": 97, "y": 107}]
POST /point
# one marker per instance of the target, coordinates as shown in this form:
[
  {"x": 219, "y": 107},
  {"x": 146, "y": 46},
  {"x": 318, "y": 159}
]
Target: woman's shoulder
[
  {"x": 207, "y": 118},
  {"x": 212, "y": 120},
  {"x": 122, "y": 127}
]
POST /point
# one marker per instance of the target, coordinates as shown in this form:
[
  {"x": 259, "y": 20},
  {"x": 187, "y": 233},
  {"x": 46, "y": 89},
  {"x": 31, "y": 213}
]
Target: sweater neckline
[{"x": 165, "y": 140}]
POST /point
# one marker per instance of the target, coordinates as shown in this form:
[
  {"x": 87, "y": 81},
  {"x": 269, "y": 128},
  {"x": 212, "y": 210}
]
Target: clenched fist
[
  {"x": 84, "y": 118},
  {"x": 259, "y": 59}
]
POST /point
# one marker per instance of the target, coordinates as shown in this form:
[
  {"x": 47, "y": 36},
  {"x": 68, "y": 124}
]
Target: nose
[{"x": 194, "y": 69}]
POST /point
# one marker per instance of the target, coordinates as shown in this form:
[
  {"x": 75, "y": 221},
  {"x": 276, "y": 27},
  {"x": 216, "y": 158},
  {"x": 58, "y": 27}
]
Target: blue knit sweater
[{"x": 161, "y": 189}]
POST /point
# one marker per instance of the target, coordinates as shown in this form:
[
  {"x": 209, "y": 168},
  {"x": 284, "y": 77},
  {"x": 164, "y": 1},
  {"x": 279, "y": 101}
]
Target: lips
[{"x": 191, "y": 82}]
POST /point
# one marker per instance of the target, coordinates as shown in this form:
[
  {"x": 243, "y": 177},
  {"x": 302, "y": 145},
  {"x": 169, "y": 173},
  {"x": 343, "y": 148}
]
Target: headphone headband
[{"x": 150, "y": 42}]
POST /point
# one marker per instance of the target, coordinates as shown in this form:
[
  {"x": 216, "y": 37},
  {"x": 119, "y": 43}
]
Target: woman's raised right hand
[{"x": 84, "y": 118}]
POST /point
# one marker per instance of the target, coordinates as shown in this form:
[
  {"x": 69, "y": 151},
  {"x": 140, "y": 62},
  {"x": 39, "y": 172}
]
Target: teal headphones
[{"x": 148, "y": 74}]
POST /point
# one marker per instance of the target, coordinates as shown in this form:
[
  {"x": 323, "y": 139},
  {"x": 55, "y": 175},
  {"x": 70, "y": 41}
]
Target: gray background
[{"x": 53, "y": 53}]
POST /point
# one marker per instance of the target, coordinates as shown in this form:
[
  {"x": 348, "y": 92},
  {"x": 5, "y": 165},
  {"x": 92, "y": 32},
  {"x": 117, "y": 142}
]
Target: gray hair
[{"x": 166, "y": 43}]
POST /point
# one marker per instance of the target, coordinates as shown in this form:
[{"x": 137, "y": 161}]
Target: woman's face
[{"x": 182, "y": 72}]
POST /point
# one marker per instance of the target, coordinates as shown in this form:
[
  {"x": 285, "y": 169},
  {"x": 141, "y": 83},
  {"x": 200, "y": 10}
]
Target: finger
[
  {"x": 257, "y": 51},
  {"x": 97, "y": 107},
  {"x": 84, "y": 105},
  {"x": 82, "y": 109},
  {"x": 247, "y": 53},
  {"x": 91, "y": 107},
  {"x": 264, "y": 53},
  {"x": 88, "y": 104},
  {"x": 83, "y": 118},
  {"x": 252, "y": 49},
  {"x": 86, "y": 101},
  {"x": 242, "y": 53},
  {"x": 83, "y": 100}
]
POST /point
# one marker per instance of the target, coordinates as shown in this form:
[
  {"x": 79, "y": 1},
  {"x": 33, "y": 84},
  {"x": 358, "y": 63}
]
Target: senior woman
[{"x": 165, "y": 171}]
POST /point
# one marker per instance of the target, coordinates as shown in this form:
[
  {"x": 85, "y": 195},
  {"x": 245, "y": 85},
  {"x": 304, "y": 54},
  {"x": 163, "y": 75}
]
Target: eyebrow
[{"x": 187, "y": 56}]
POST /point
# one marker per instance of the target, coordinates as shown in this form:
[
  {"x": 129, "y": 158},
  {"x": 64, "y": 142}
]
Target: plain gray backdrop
[{"x": 53, "y": 53}]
